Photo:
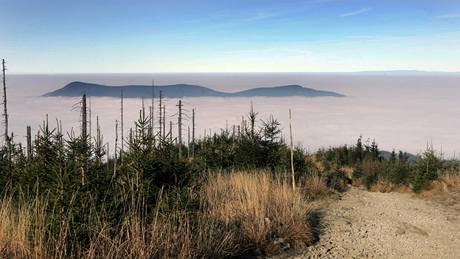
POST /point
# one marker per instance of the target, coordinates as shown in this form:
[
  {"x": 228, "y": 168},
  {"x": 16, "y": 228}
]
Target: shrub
[
  {"x": 371, "y": 170},
  {"x": 398, "y": 172},
  {"x": 337, "y": 180},
  {"x": 426, "y": 170}
]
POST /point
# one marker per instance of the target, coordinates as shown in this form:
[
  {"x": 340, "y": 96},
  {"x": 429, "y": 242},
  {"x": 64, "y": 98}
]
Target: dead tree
[
  {"x": 90, "y": 119},
  {"x": 84, "y": 118},
  {"x": 179, "y": 128},
  {"x": 142, "y": 117},
  {"x": 170, "y": 132},
  {"x": 29, "y": 143},
  {"x": 152, "y": 110},
  {"x": 84, "y": 139},
  {"x": 116, "y": 147},
  {"x": 161, "y": 114},
  {"x": 108, "y": 156},
  {"x": 5, "y": 106},
  {"x": 99, "y": 149},
  {"x": 292, "y": 151},
  {"x": 193, "y": 132},
  {"x": 164, "y": 121},
  {"x": 188, "y": 141},
  {"x": 121, "y": 127}
]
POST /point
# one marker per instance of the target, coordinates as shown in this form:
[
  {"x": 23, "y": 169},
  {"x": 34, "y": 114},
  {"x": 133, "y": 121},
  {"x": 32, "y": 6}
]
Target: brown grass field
[{"x": 239, "y": 214}]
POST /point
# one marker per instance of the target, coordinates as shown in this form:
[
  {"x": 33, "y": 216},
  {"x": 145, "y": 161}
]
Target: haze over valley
[{"x": 403, "y": 111}]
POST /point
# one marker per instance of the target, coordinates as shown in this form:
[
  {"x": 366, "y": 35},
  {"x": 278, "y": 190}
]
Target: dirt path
[{"x": 388, "y": 225}]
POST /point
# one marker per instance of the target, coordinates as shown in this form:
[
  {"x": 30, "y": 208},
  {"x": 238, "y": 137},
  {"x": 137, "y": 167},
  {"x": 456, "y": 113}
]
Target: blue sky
[{"x": 126, "y": 36}]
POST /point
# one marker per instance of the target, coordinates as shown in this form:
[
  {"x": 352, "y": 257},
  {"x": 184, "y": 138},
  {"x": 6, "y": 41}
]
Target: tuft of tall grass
[
  {"x": 316, "y": 185},
  {"x": 451, "y": 180},
  {"x": 264, "y": 213},
  {"x": 23, "y": 232}
]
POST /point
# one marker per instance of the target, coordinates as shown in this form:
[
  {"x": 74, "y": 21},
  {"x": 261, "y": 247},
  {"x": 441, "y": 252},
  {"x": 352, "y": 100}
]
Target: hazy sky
[{"x": 59, "y": 36}]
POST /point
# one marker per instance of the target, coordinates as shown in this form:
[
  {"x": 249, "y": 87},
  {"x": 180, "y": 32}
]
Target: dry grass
[
  {"x": 316, "y": 186},
  {"x": 163, "y": 238},
  {"x": 357, "y": 182},
  {"x": 445, "y": 191},
  {"x": 240, "y": 214},
  {"x": 382, "y": 186},
  {"x": 348, "y": 171},
  {"x": 14, "y": 230},
  {"x": 264, "y": 213},
  {"x": 445, "y": 184},
  {"x": 401, "y": 188},
  {"x": 451, "y": 181},
  {"x": 386, "y": 187},
  {"x": 22, "y": 231}
]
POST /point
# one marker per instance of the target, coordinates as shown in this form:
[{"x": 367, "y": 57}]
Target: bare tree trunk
[
  {"x": 161, "y": 115},
  {"x": 29, "y": 143},
  {"x": 108, "y": 157},
  {"x": 179, "y": 133},
  {"x": 84, "y": 136},
  {"x": 170, "y": 132},
  {"x": 152, "y": 111},
  {"x": 116, "y": 146},
  {"x": 164, "y": 121},
  {"x": 292, "y": 151},
  {"x": 98, "y": 143},
  {"x": 84, "y": 118},
  {"x": 90, "y": 119},
  {"x": 193, "y": 132},
  {"x": 188, "y": 141},
  {"x": 122, "y": 129},
  {"x": 5, "y": 107}
]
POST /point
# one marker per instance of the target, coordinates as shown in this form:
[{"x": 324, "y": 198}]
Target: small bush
[
  {"x": 337, "y": 180},
  {"x": 398, "y": 172},
  {"x": 371, "y": 170},
  {"x": 426, "y": 170}
]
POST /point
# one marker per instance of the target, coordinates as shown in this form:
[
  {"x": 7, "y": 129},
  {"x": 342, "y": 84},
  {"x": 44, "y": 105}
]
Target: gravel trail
[{"x": 364, "y": 224}]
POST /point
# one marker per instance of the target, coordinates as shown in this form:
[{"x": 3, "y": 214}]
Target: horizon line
[{"x": 397, "y": 71}]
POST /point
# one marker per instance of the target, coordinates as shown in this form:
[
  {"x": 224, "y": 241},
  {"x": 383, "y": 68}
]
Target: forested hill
[{"x": 183, "y": 90}]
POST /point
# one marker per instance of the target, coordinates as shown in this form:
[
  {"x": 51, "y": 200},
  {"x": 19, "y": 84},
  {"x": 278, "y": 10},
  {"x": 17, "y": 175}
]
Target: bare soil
[{"x": 362, "y": 224}]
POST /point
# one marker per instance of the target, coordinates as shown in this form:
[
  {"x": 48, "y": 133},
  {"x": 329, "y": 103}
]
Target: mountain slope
[
  {"x": 283, "y": 91},
  {"x": 182, "y": 90}
]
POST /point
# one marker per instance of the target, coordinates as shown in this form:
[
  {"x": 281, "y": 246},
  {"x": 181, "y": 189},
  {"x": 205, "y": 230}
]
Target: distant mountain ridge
[
  {"x": 406, "y": 72},
  {"x": 75, "y": 89}
]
